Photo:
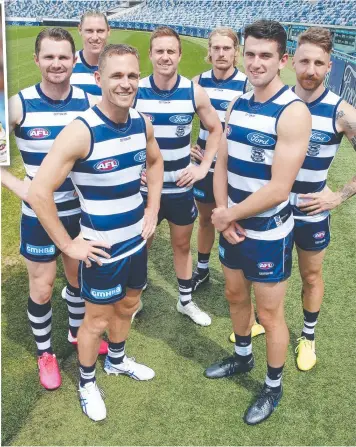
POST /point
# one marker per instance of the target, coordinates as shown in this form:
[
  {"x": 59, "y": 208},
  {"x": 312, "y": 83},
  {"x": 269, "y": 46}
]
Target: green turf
[{"x": 179, "y": 407}]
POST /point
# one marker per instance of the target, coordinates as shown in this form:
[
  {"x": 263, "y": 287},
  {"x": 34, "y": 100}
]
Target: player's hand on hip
[
  {"x": 234, "y": 233},
  {"x": 149, "y": 223},
  {"x": 87, "y": 251},
  {"x": 144, "y": 177},
  {"x": 221, "y": 218},
  {"x": 196, "y": 153},
  {"x": 190, "y": 175},
  {"x": 318, "y": 202}
]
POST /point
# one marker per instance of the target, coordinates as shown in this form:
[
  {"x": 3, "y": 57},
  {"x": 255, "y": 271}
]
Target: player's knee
[
  {"x": 127, "y": 308},
  {"x": 182, "y": 246},
  {"x": 235, "y": 295},
  {"x": 270, "y": 319},
  {"x": 95, "y": 325},
  {"x": 41, "y": 292},
  {"x": 312, "y": 278},
  {"x": 205, "y": 221}
]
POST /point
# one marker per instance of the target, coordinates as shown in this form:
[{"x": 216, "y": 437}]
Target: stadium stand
[{"x": 233, "y": 13}]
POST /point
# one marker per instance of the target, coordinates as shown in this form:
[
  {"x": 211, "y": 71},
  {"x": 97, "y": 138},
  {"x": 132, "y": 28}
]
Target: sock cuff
[
  {"x": 310, "y": 317},
  {"x": 274, "y": 373},
  {"x": 87, "y": 369},
  {"x": 38, "y": 310},
  {"x": 73, "y": 291},
  {"x": 203, "y": 257},
  {"x": 186, "y": 283},
  {"x": 117, "y": 346},
  {"x": 242, "y": 340}
]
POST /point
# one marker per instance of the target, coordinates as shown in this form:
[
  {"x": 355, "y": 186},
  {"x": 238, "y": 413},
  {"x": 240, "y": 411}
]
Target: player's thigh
[
  {"x": 237, "y": 287},
  {"x": 270, "y": 296},
  {"x": 97, "y": 316},
  {"x": 70, "y": 266},
  {"x": 180, "y": 235},
  {"x": 205, "y": 212},
  {"x": 310, "y": 262},
  {"x": 41, "y": 276}
]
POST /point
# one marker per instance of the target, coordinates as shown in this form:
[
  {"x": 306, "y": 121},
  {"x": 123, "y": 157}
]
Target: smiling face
[
  {"x": 262, "y": 61},
  {"x": 165, "y": 55},
  {"x": 118, "y": 79},
  {"x": 222, "y": 52},
  {"x": 311, "y": 64},
  {"x": 94, "y": 32},
  {"x": 55, "y": 60}
]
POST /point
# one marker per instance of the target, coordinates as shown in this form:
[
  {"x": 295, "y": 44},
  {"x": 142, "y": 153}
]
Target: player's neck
[
  {"x": 164, "y": 82},
  {"x": 57, "y": 92},
  {"x": 223, "y": 74},
  {"x": 309, "y": 95},
  {"x": 118, "y": 115},
  {"x": 90, "y": 59},
  {"x": 266, "y": 92}
]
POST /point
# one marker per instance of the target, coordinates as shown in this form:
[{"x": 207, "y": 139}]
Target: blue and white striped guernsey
[
  {"x": 108, "y": 183},
  {"x": 323, "y": 145},
  {"x": 252, "y": 138},
  {"x": 221, "y": 93},
  {"x": 83, "y": 75},
  {"x": 171, "y": 113},
  {"x": 43, "y": 119}
]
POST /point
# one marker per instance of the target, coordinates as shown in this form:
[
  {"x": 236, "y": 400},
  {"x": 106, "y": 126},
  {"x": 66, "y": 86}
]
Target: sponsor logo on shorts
[
  {"x": 260, "y": 139},
  {"x": 107, "y": 165},
  {"x": 319, "y": 235},
  {"x": 180, "y": 119},
  {"x": 221, "y": 251},
  {"x": 140, "y": 157},
  {"x": 39, "y": 133},
  {"x": 41, "y": 250},
  {"x": 105, "y": 294},
  {"x": 198, "y": 192},
  {"x": 319, "y": 137},
  {"x": 224, "y": 105},
  {"x": 265, "y": 265}
]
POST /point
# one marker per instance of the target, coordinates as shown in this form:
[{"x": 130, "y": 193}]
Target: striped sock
[
  {"x": 243, "y": 347},
  {"x": 274, "y": 378},
  {"x": 203, "y": 263},
  {"x": 40, "y": 317},
  {"x": 185, "y": 291},
  {"x": 310, "y": 321},
  {"x": 76, "y": 309},
  {"x": 87, "y": 374},
  {"x": 116, "y": 352}
]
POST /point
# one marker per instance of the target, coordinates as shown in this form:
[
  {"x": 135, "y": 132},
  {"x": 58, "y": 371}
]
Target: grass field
[{"x": 180, "y": 406}]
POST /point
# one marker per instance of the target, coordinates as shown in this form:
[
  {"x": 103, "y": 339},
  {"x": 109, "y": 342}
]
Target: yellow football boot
[
  {"x": 306, "y": 357},
  {"x": 257, "y": 329}
]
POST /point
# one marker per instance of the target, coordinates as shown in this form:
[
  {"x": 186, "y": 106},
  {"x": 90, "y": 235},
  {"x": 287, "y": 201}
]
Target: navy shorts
[
  {"x": 106, "y": 284},
  {"x": 312, "y": 236},
  {"x": 203, "y": 190},
  {"x": 180, "y": 208},
  {"x": 260, "y": 261},
  {"x": 35, "y": 243}
]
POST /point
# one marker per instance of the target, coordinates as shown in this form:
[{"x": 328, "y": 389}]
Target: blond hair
[{"x": 228, "y": 32}]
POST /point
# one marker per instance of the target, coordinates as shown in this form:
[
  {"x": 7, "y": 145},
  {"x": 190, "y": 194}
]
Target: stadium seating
[{"x": 198, "y": 13}]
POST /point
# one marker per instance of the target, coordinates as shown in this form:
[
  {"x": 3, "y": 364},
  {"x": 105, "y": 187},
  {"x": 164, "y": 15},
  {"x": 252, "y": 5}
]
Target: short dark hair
[
  {"x": 56, "y": 34},
  {"x": 269, "y": 30},
  {"x": 316, "y": 35},
  {"x": 165, "y": 31},
  {"x": 118, "y": 49}
]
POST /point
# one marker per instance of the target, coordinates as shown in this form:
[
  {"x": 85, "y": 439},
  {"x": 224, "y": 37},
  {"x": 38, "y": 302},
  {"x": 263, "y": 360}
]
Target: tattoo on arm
[
  {"x": 339, "y": 114},
  {"x": 348, "y": 190}
]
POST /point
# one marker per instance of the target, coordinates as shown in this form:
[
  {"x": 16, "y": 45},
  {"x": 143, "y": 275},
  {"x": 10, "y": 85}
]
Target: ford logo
[
  {"x": 260, "y": 139},
  {"x": 106, "y": 165},
  {"x": 140, "y": 157},
  {"x": 180, "y": 119},
  {"x": 265, "y": 265},
  {"x": 319, "y": 235},
  {"x": 224, "y": 105},
  {"x": 319, "y": 137}
]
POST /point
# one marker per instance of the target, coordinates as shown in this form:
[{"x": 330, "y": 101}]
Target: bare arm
[
  {"x": 293, "y": 131},
  {"x": 154, "y": 173},
  {"x": 71, "y": 144},
  {"x": 327, "y": 199}
]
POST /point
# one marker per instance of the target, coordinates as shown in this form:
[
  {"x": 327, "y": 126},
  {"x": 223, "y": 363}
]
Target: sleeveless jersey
[
  {"x": 43, "y": 119},
  {"x": 83, "y": 76},
  {"x": 108, "y": 183},
  {"x": 221, "y": 93},
  {"x": 323, "y": 145},
  {"x": 252, "y": 138},
  {"x": 171, "y": 113}
]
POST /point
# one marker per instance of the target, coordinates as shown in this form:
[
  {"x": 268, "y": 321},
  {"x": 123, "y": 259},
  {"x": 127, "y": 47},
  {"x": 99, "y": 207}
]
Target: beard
[{"x": 310, "y": 82}]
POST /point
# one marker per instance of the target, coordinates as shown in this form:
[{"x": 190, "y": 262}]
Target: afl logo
[
  {"x": 228, "y": 131},
  {"x": 265, "y": 265},
  {"x": 319, "y": 235},
  {"x": 140, "y": 157},
  {"x": 106, "y": 165},
  {"x": 260, "y": 139},
  {"x": 224, "y": 105},
  {"x": 180, "y": 119},
  {"x": 319, "y": 137},
  {"x": 39, "y": 133},
  {"x": 150, "y": 117}
]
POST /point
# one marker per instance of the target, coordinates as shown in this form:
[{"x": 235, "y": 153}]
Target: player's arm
[
  {"x": 93, "y": 100},
  {"x": 154, "y": 175},
  {"x": 72, "y": 143},
  {"x": 210, "y": 119},
  {"x": 293, "y": 132},
  {"x": 327, "y": 199},
  {"x": 14, "y": 184},
  {"x": 195, "y": 150}
]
